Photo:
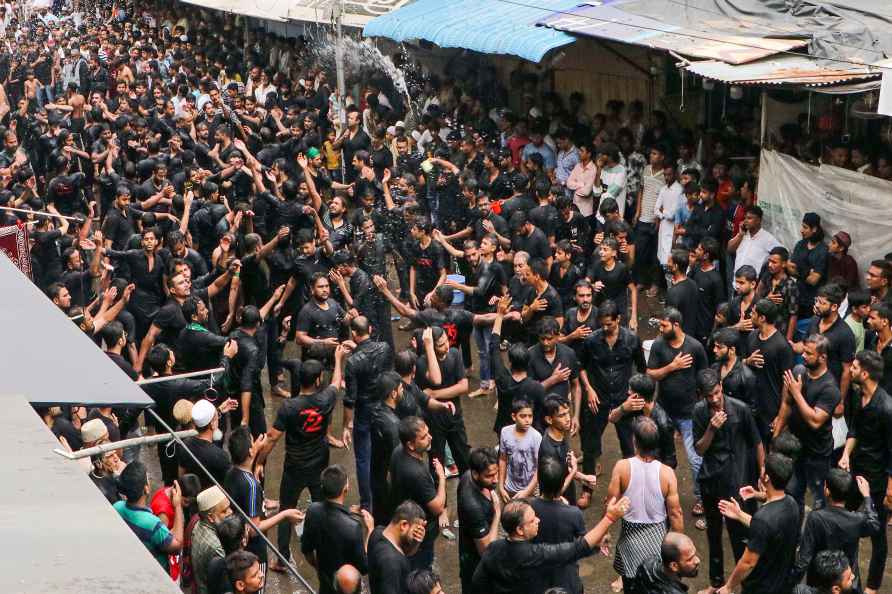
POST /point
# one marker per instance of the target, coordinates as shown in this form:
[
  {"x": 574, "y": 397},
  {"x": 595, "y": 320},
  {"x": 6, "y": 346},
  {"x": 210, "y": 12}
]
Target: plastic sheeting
[{"x": 846, "y": 200}]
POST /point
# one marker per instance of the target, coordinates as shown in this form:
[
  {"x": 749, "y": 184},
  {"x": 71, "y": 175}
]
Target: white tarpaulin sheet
[{"x": 846, "y": 200}]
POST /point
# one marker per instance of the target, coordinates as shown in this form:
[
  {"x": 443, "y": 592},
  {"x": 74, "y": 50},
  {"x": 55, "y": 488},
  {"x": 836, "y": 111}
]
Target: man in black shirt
[
  {"x": 512, "y": 565},
  {"x": 641, "y": 402},
  {"x": 661, "y": 574},
  {"x": 841, "y": 340},
  {"x": 391, "y": 546},
  {"x": 530, "y": 239},
  {"x": 559, "y": 523},
  {"x": 320, "y": 320},
  {"x": 683, "y": 294},
  {"x": 333, "y": 536},
  {"x": 832, "y": 574},
  {"x": 206, "y": 420},
  {"x": 868, "y": 451},
  {"x": 246, "y": 368},
  {"x": 355, "y": 285},
  {"x": 119, "y": 225},
  {"x": 770, "y": 356},
  {"x": 738, "y": 380},
  {"x": 835, "y": 527},
  {"x": 609, "y": 358},
  {"x": 612, "y": 280},
  {"x": 479, "y": 511},
  {"x": 726, "y": 437},
  {"x": 443, "y": 377},
  {"x": 556, "y": 444},
  {"x": 740, "y": 307},
  {"x": 707, "y": 219},
  {"x": 410, "y": 479},
  {"x": 542, "y": 300},
  {"x": 770, "y": 551},
  {"x": 708, "y": 280},
  {"x": 304, "y": 420},
  {"x": 807, "y": 408},
  {"x": 427, "y": 264},
  {"x": 364, "y": 366},
  {"x": 199, "y": 348},
  {"x": 675, "y": 360}
]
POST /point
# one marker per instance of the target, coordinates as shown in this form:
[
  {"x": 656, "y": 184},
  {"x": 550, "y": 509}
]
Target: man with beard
[
  {"x": 488, "y": 222},
  {"x": 609, "y": 358},
  {"x": 683, "y": 294},
  {"x": 555, "y": 365},
  {"x": 451, "y": 383},
  {"x": 880, "y": 340},
  {"x": 542, "y": 300},
  {"x": 410, "y": 479},
  {"x": 809, "y": 260},
  {"x": 740, "y": 308},
  {"x": 773, "y": 534},
  {"x": 833, "y": 575},
  {"x": 320, "y": 320},
  {"x": 427, "y": 269},
  {"x": 782, "y": 289},
  {"x": 662, "y": 574},
  {"x": 510, "y": 565},
  {"x": 359, "y": 296},
  {"x": 878, "y": 280},
  {"x": 868, "y": 452},
  {"x": 641, "y": 403},
  {"x": 582, "y": 320},
  {"x": 727, "y": 439},
  {"x": 479, "y": 511},
  {"x": 829, "y": 324},
  {"x": 675, "y": 360},
  {"x": 738, "y": 380},
  {"x": 808, "y": 405},
  {"x": 361, "y": 373},
  {"x": 770, "y": 357},
  {"x": 391, "y": 546}
]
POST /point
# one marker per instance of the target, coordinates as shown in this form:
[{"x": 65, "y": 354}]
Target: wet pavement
[{"x": 596, "y": 571}]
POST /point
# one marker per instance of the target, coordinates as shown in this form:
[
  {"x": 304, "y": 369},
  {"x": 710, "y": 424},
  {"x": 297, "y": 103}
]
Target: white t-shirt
[{"x": 753, "y": 250}]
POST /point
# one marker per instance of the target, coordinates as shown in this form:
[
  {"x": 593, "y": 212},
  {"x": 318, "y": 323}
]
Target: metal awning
[
  {"x": 356, "y": 13},
  {"x": 273, "y": 10},
  {"x": 62, "y": 536},
  {"x": 486, "y": 26},
  {"x": 48, "y": 359},
  {"x": 782, "y": 70},
  {"x": 609, "y": 21}
]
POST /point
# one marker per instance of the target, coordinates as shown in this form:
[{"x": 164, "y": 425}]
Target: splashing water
[{"x": 361, "y": 58}]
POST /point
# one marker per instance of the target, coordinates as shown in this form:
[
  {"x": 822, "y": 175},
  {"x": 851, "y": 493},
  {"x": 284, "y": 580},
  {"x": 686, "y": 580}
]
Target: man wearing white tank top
[{"x": 652, "y": 490}]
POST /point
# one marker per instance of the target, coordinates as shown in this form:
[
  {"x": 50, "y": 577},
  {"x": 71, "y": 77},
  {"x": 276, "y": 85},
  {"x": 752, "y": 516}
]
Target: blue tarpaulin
[{"x": 486, "y": 26}]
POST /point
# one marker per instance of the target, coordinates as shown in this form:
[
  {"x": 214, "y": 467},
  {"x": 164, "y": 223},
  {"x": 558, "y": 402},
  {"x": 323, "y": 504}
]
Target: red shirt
[{"x": 161, "y": 504}]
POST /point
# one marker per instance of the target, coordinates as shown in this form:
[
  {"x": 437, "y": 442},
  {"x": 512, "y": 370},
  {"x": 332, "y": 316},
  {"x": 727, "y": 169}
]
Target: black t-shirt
[
  {"x": 388, "y": 566},
  {"x": 458, "y": 324},
  {"x": 712, "y": 292},
  {"x": 778, "y": 357},
  {"x": 842, "y": 344},
  {"x": 558, "y": 523},
  {"x": 773, "y": 535},
  {"x": 305, "y": 421},
  {"x": 452, "y": 371},
  {"x": 549, "y": 448},
  {"x": 821, "y": 393},
  {"x": 685, "y": 297},
  {"x": 214, "y": 458},
  {"x": 413, "y": 403},
  {"x": 321, "y": 323},
  {"x": 171, "y": 321},
  {"x": 554, "y": 307},
  {"x": 385, "y": 426},
  {"x": 728, "y": 458},
  {"x": 428, "y": 262},
  {"x": 540, "y": 368},
  {"x": 535, "y": 244},
  {"x": 616, "y": 284},
  {"x": 475, "y": 513},
  {"x": 678, "y": 390},
  {"x": 410, "y": 478}
]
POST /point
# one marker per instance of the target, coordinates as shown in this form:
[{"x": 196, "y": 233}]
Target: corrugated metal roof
[
  {"x": 486, "y": 26},
  {"x": 273, "y": 10},
  {"x": 357, "y": 13},
  {"x": 610, "y": 21},
  {"x": 798, "y": 70}
]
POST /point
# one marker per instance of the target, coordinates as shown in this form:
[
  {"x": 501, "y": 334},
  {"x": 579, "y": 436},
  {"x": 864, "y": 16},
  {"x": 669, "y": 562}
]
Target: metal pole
[
  {"x": 124, "y": 443},
  {"x": 764, "y": 124},
  {"x": 167, "y": 378},
  {"x": 285, "y": 560},
  {"x": 342, "y": 85},
  {"x": 38, "y": 213}
]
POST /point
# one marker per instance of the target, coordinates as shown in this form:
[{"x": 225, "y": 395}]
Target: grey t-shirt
[{"x": 522, "y": 456}]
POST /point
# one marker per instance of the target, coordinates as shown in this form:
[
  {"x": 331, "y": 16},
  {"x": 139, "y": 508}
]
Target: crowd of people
[{"x": 199, "y": 197}]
